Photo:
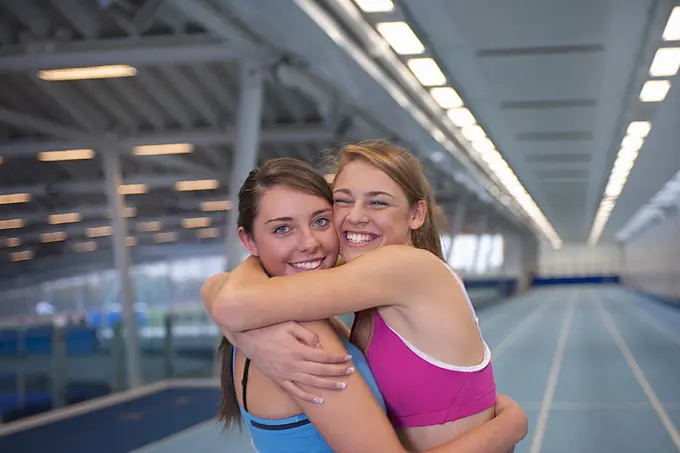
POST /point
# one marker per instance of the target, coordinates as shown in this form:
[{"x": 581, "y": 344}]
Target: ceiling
[
  {"x": 553, "y": 84},
  {"x": 186, "y": 89}
]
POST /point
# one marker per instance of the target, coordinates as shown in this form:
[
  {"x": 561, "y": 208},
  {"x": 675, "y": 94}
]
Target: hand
[
  {"x": 509, "y": 407},
  {"x": 289, "y": 354}
]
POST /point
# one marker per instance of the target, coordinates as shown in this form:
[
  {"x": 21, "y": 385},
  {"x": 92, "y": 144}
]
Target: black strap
[{"x": 244, "y": 383}]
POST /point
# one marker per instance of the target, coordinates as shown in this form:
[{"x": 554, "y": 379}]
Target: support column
[
  {"x": 121, "y": 255},
  {"x": 530, "y": 251},
  {"x": 458, "y": 221},
  {"x": 244, "y": 158},
  {"x": 483, "y": 221}
]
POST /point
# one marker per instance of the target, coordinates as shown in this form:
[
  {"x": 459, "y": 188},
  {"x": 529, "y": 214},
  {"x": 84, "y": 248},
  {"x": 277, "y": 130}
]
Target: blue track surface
[
  {"x": 119, "y": 428},
  {"x": 597, "y": 369}
]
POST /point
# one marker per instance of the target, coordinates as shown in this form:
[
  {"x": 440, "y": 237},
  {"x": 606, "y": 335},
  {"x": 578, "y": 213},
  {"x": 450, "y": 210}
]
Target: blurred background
[{"x": 548, "y": 131}]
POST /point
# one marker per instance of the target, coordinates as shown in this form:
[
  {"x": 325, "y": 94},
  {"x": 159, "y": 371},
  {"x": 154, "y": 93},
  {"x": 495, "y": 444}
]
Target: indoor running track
[{"x": 596, "y": 368}]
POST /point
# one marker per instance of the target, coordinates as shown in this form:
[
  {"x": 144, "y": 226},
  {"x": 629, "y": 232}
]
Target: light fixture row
[
  {"x": 91, "y": 245},
  {"x": 666, "y": 63},
  {"x": 404, "y": 41}
]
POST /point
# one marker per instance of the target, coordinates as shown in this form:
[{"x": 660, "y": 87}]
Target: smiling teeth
[
  {"x": 307, "y": 265},
  {"x": 359, "y": 238}
]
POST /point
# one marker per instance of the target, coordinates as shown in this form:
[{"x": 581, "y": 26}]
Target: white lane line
[
  {"x": 553, "y": 376},
  {"x": 658, "y": 325},
  {"x": 519, "y": 330},
  {"x": 639, "y": 375},
  {"x": 514, "y": 307}
]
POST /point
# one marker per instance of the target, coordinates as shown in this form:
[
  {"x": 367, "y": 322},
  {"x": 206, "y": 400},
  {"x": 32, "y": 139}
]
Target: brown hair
[
  {"x": 408, "y": 173},
  {"x": 292, "y": 173}
]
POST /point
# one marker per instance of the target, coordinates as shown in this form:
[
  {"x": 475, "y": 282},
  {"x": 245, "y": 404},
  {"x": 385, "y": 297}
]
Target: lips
[
  {"x": 357, "y": 238},
  {"x": 308, "y": 265}
]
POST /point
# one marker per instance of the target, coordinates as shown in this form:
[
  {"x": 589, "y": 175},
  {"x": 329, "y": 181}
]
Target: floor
[{"x": 597, "y": 369}]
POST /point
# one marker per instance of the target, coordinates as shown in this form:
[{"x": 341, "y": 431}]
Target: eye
[
  {"x": 378, "y": 203},
  {"x": 341, "y": 201},
  {"x": 321, "y": 222},
  {"x": 281, "y": 229}
]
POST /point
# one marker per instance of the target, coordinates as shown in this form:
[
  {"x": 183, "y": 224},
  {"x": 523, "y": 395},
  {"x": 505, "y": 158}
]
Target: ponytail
[{"x": 229, "y": 411}]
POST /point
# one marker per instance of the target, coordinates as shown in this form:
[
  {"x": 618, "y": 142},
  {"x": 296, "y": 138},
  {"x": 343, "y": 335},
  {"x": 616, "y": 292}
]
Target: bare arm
[
  {"x": 372, "y": 432},
  {"x": 391, "y": 275}
]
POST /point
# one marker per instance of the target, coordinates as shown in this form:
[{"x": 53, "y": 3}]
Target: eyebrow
[
  {"x": 290, "y": 219},
  {"x": 368, "y": 194},
  {"x": 279, "y": 219}
]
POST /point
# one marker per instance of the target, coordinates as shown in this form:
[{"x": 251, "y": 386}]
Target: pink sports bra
[{"x": 422, "y": 391}]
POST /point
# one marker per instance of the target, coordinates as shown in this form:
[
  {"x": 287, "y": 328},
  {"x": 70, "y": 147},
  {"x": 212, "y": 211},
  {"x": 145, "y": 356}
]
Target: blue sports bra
[{"x": 295, "y": 434}]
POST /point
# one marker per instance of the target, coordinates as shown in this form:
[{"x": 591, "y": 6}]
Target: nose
[
  {"x": 356, "y": 214},
  {"x": 307, "y": 242}
]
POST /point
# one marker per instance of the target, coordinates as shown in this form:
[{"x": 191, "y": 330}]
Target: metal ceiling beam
[
  {"x": 25, "y": 121},
  {"x": 200, "y": 137},
  {"x": 76, "y": 231},
  {"x": 137, "y": 53},
  {"x": 74, "y": 187}
]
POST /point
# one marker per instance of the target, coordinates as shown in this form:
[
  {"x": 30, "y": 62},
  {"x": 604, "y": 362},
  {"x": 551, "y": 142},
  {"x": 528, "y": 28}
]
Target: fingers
[
  {"x": 297, "y": 392},
  {"x": 321, "y": 356},
  {"x": 317, "y": 382},
  {"x": 305, "y": 336},
  {"x": 321, "y": 370}
]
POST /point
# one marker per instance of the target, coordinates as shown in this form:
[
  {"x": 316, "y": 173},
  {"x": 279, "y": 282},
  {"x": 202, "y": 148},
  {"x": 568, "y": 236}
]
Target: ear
[
  {"x": 247, "y": 241},
  {"x": 417, "y": 214}
]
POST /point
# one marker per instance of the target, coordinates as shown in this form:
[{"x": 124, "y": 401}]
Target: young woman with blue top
[{"x": 284, "y": 220}]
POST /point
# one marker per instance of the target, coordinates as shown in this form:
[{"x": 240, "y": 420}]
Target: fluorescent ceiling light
[
  {"x": 205, "y": 184},
  {"x": 207, "y": 233},
  {"x": 220, "y": 205},
  {"x": 483, "y": 146},
  {"x": 168, "y": 236},
  {"x": 97, "y": 232},
  {"x": 57, "y": 219},
  {"x": 197, "y": 222},
  {"x": 10, "y": 242},
  {"x": 672, "y": 30},
  {"x": 639, "y": 128},
  {"x": 666, "y": 62},
  {"x": 22, "y": 256},
  {"x": 156, "y": 150},
  {"x": 145, "y": 227},
  {"x": 473, "y": 133},
  {"x": 375, "y": 6},
  {"x": 67, "y": 154},
  {"x": 88, "y": 246},
  {"x": 132, "y": 189},
  {"x": 654, "y": 90},
  {"x": 631, "y": 142},
  {"x": 426, "y": 71},
  {"x": 92, "y": 72},
  {"x": 446, "y": 97},
  {"x": 11, "y": 224},
  {"x": 55, "y": 236},
  {"x": 461, "y": 117},
  {"x": 13, "y": 198},
  {"x": 401, "y": 38}
]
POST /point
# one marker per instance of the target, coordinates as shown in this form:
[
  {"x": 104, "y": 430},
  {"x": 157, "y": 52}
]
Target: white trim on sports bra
[{"x": 440, "y": 364}]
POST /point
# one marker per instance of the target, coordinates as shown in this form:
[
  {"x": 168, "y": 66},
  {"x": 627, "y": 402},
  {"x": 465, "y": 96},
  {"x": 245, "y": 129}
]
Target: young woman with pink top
[{"x": 414, "y": 321}]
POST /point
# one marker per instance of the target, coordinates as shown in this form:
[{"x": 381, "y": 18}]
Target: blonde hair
[{"x": 405, "y": 170}]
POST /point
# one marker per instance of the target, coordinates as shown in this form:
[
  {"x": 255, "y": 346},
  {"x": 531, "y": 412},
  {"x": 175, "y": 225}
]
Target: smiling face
[
  {"x": 371, "y": 210},
  {"x": 292, "y": 232}
]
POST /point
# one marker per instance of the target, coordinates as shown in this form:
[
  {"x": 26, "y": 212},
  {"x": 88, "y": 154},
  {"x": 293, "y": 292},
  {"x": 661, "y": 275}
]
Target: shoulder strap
[{"x": 244, "y": 383}]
